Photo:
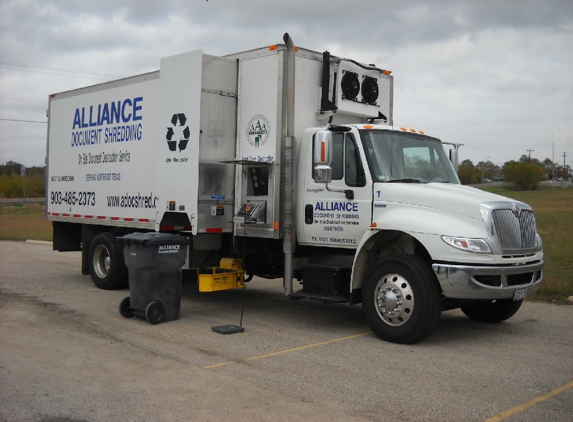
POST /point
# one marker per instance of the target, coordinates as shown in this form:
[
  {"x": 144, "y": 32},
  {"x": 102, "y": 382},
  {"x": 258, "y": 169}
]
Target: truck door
[{"x": 339, "y": 216}]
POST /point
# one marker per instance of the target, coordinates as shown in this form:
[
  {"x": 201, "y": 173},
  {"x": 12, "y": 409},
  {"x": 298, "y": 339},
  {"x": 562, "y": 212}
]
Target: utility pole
[
  {"x": 23, "y": 174},
  {"x": 482, "y": 164},
  {"x": 566, "y": 175},
  {"x": 553, "y": 159},
  {"x": 530, "y": 150}
]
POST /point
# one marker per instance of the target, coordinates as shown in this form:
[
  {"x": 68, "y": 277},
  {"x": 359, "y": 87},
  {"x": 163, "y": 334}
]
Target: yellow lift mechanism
[{"x": 228, "y": 275}]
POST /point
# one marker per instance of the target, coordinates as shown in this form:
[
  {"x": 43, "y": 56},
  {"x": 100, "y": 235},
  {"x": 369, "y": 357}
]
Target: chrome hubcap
[
  {"x": 102, "y": 261},
  {"x": 394, "y": 299}
]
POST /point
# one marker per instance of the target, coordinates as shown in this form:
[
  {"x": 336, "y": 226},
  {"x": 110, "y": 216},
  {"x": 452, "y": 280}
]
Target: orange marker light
[
  {"x": 404, "y": 129},
  {"x": 368, "y": 126},
  {"x": 323, "y": 152},
  {"x": 276, "y": 226},
  {"x": 275, "y": 47}
]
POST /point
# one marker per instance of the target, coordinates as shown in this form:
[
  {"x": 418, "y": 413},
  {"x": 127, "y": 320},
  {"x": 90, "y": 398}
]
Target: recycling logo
[
  {"x": 258, "y": 131},
  {"x": 178, "y": 133}
]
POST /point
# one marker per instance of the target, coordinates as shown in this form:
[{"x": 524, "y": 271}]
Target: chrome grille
[{"x": 515, "y": 233}]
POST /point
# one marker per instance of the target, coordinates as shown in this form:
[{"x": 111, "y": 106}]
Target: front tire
[
  {"x": 401, "y": 299},
  {"x": 106, "y": 262},
  {"x": 492, "y": 311}
]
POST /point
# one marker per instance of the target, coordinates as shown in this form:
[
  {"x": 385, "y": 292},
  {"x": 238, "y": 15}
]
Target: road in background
[
  {"x": 67, "y": 355},
  {"x": 5, "y": 201}
]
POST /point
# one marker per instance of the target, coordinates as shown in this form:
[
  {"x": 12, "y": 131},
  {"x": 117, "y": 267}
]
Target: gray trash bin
[{"x": 154, "y": 262}]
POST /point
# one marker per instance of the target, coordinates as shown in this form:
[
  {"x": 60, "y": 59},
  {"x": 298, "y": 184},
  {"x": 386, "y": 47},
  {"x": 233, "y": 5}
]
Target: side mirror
[{"x": 322, "y": 158}]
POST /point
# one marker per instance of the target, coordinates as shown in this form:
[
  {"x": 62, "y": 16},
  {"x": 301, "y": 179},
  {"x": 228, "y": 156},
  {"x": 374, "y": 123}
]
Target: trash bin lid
[{"x": 155, "y": 238}]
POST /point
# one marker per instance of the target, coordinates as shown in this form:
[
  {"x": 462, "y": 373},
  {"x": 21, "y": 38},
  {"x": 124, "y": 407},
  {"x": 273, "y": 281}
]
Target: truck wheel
[
  {"x": 155, "y": 313},
  {"x": 492, "y": 311},
  {"x": 106, "y": 262},
  {"x": 401, "y": 299}
]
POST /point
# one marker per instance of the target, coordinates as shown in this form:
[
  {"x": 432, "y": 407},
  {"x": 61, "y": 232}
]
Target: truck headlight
[
  {"x": 539, "y": 241},
  {"x": 468, "y": 245}
]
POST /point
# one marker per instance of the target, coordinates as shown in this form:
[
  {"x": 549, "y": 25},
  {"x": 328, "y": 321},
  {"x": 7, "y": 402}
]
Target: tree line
[
  {"x": 12, "y": 183},
  {"x": 525, "y": 174}
]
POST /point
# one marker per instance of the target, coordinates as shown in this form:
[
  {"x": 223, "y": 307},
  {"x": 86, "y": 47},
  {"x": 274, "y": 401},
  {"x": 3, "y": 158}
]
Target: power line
[
  {"x": 57, "y": 74},
  {"x": 27, "y": 121},
  {"x": 21, "y": 99},
  {"x": 82, "y": 72}
]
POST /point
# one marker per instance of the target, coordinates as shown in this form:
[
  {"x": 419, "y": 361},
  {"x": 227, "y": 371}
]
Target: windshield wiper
[{"x": 404, "y": 181}]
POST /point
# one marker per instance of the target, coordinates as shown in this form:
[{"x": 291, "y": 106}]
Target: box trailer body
[
  {"x": 104, "y": 161},
  {"x": 288, "y": 159}
]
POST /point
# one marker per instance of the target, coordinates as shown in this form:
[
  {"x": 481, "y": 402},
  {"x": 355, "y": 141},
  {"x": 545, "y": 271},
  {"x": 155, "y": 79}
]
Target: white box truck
[{"x": 288, "y": 160}]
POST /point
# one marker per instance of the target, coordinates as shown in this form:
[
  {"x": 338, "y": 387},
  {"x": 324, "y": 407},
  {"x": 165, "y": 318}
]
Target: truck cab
[{"x": 392, "y": 197}]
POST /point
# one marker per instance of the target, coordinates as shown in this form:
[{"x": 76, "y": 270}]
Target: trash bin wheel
[
  {"x": 125, "y": 308},
  {"x": 155, "y": 313}
]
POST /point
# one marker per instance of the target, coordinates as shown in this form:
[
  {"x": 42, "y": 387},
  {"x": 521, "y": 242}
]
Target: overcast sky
[{"x": 496, "y": 76}]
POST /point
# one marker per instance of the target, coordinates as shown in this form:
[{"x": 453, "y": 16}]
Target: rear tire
[
  {"x": 401, "y": 299},
  {"x": 106, "y": 262},
  {"x": 492, "y": 311}
]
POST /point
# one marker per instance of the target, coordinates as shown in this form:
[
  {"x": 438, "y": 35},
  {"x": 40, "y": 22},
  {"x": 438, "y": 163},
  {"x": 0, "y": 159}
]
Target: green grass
[
  {"x": 553, "y": 208},
  {"x": 22, "y": 223}
]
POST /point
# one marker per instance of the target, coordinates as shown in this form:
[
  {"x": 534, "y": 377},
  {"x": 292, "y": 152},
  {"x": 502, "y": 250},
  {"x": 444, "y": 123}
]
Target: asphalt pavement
[{"x": 67, "y": 355}]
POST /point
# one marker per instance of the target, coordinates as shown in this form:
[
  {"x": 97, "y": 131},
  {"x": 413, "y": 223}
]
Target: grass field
[
  {"x": 18, "y": 223},
  {"x": 553, "y": 209}
]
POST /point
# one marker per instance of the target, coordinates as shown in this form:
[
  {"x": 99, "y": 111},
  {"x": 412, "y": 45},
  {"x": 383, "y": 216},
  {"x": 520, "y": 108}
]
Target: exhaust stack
[{"x": 288, "y": 151}]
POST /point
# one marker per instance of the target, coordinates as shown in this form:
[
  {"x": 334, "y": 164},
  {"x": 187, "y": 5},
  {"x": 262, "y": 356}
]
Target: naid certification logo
[{"x": 258, "y": 131}]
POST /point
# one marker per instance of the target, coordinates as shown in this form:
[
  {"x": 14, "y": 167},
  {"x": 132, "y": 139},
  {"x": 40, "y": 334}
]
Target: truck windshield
[{"x": 406, "y": 158}]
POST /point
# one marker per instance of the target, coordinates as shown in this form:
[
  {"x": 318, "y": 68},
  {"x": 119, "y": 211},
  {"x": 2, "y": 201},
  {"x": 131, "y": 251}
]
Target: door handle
[{"x": 308, "y": 211}]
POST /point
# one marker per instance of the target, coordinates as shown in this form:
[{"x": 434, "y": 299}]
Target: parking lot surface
[{"x": 67, "y": 355}]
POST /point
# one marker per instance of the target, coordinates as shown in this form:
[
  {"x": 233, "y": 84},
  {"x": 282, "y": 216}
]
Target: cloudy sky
[{"x": 494, "y": 75}]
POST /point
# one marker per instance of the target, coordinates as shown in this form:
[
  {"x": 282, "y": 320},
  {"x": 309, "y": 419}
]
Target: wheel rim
[
  {"x": 102, "y": 261},
  {"x": 394, "y": 299}
]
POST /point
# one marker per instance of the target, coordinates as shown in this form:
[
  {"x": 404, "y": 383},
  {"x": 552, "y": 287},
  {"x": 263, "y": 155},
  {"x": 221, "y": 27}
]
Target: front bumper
[{"x": 487, "y": 282}]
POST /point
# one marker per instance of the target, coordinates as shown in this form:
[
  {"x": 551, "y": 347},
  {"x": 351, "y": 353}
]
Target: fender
[{"x": 402, "y": 228}]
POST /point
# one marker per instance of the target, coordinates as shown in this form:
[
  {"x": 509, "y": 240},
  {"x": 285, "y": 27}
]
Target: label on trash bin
[{"x": 169, "y": 248}]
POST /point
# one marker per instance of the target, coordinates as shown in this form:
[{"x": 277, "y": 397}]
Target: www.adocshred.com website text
[{"x": 132, "y": 201}]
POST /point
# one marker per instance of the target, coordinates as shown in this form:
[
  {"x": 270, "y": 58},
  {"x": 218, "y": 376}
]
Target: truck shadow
[{"x": 265, "y": 303}]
